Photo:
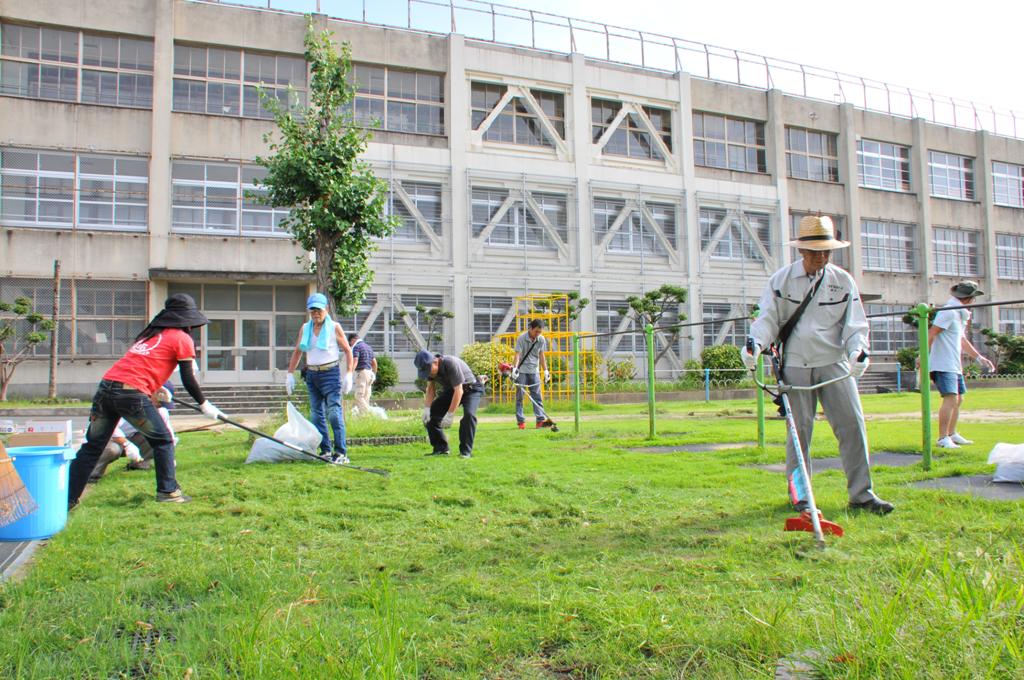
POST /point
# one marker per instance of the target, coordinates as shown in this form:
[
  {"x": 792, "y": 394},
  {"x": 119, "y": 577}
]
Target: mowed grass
[{"x": 545, "y": 556}]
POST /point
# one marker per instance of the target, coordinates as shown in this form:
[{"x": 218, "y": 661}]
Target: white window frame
[
  {"x": 406, "y": 201},
  {"x": 1010, "y": 256},
  {"x": 951, "y": 176},
  {"x": 888, "y": 333},
  {"x": 725, "y": 332},
  {"x": 799, "y": 152},
  {"x": 957, "y": 251},
  {"x": 1007, "y": 184},
  {"x": 632, "y": 125},
  {"x": 888, "y": 246},
  {"x": 526, "y": 96},
  {"x": 368, "y": 97},
  {"x": 1011, "y": 320},
  {"x": 889, "y": 162},
  {"x": 751, "y": 144},
  {"x": 243, "y": 204},
  {"x": 491, "y": 308},
  {"x": 638, "y": 227},
  {"x": 508, "y": 206},
  {"x": 720, "y": 227}
]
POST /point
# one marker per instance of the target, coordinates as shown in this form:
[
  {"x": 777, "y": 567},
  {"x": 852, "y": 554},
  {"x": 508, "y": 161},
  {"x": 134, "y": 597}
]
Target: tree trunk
[{"x": 325, "y": 247}]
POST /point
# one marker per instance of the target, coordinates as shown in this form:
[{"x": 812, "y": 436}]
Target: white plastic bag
[
  {"x": 1009, "y": 462},
  {"x": 378, "y": 412},
  {"x": 297, "y": 431}
]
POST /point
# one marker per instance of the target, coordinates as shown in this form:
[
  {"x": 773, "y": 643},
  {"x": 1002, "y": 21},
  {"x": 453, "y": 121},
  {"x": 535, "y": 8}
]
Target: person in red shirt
[{"x": 124, "y": 392}]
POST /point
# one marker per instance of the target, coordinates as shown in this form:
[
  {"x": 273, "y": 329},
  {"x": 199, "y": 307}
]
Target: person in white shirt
[
  {"x": 947, "y": 342},
  {"x": 829, "y": 340},
  {"x": 323, "y": 340}
]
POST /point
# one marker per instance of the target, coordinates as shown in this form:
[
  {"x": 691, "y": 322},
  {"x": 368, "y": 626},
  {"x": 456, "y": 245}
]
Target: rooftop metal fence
[{"x": 504, "y": 24}]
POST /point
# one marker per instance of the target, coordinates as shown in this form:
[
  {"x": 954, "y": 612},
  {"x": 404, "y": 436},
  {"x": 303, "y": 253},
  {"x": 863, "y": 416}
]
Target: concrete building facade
[{"x": 131, "y": 128}]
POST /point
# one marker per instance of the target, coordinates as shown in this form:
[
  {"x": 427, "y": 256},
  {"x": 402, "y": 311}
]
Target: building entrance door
[{"x": 238, "y": 348}]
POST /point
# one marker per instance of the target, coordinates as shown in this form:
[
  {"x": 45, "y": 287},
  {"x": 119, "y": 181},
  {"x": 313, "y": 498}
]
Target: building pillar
[
  {"x": 849, "y": 176},
  {"x": 160, "y": 146},
  {"x": 690, "y": 238},
  {"x": 775, "y": 139},
  {"x": 984, "y": 194},
  {"x": 581, "y": 152},
  {"x": 919, "y": 184},
  {"x": 457, "y": 98}
]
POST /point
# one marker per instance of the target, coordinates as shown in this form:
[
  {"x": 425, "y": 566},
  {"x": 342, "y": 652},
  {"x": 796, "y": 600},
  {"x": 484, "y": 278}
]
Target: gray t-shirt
[
  {"x": 946, "y": 348},
  {"x": 531, "y": 364},
  {"x": 453, "y": 371}
]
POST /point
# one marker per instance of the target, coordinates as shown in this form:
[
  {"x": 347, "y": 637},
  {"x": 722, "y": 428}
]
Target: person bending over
[{"x": 451, "y": 384}]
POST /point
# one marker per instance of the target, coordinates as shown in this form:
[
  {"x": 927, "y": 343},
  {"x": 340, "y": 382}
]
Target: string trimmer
[
  {"x": 811, "y": 519},
  {"x": 506, "y": 372},
  {"x": 293, "y": 447}
]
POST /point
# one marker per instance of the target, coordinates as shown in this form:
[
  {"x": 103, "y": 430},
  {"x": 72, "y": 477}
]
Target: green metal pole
[
  {"x": 760, "y": 403},
  {"x": 576, "y": 380},
  {"x": 922, "y": 311},
  {"x": 649, "y": 331}
]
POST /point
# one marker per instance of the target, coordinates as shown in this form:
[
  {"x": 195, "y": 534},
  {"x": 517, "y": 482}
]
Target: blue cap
[
  {"x": 317, "y": 301},
  {"x": 423, "y": 361}
]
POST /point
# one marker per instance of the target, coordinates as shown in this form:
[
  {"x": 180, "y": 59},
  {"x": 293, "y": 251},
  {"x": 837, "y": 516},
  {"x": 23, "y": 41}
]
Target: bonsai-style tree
[
  {"x": 18, "y": 335},
  {"x": 337, "y": 203},
  {"x": 655, "y": 305},
  {"x": 432, "y": 319}
]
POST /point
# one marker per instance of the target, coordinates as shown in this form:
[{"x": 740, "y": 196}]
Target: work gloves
[
  {"x": 163, "y": 395},
  {"x": 547, "y": 377},
  {"x": 859, "y": 363},
  {"x": 211, "y": 411},
  {"x": 346, "y": 383},
  {"x": 447, "y": 421},
  {"x": 289, "y": 384},
  {"x": 515, "y": 373},
  {"x": 132, "y": 452},
  {"x": 426, "y": 415},
  {"x": 750, "y": 358}
]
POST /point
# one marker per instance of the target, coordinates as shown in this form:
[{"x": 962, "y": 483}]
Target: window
[
  {"x": 97, "y": 318},
  {"x": 737, "y": 241},
  {"x": 1008, "y": 185},
  {"x": 208, "y": 197},
  {"x": 518, "y": 226},
  {"x": 956, "y": 252},
  {"x": 631, "y": 138},
  {"x": 840, "y": 257},
  {"x": 888, "y": 246},
  {"x": 426, "y": 198},
  {"x": 400, "y": 341},
  {"x": 608, "y": 319},
  {"x": 881, "y": 165},
  {"x": 889, "y": 333},
  {"x": 951, "y": 176},
  {"x": 488, "y": 314},
  {"x": 43, "y": 63},
  {"x": 730, "y": 143},
  {"x": 735, "y": 332},
  {"x": 635, "y": 234},
  {"x": 517, "y": 124},
  {"x": 39, "y": 188},
  {"x": 1010, "y": 256},
  {"x": 226, "y": 82},
  {"x": 399, "y": 100},
  {"x": 812, "y": 155},
  {"x": 1011, "y": 320},
  {"x": 374, "y": 335}
]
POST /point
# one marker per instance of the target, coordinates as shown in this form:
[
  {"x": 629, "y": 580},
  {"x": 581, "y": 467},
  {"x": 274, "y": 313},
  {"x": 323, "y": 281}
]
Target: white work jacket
[{"x": 832, "y": 326}]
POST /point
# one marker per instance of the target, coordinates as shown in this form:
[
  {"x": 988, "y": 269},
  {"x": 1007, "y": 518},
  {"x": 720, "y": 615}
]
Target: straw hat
[{"x": 817, "y": 233}]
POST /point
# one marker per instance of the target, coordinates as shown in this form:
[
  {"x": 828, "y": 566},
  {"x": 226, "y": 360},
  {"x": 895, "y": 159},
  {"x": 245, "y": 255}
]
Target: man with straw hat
[
  {"x": 947, "y": 342},
  {"x": 812, "y": 310}
]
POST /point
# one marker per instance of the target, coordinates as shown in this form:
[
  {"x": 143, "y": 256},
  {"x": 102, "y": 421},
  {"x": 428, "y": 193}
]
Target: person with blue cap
[
  {"x": 450, "y": 384},
  {"x": 322, "y": 340}
]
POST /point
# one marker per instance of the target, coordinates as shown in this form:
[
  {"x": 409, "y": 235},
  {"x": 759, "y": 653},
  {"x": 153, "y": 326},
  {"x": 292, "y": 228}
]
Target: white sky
[{"x": 965, "y": 49}]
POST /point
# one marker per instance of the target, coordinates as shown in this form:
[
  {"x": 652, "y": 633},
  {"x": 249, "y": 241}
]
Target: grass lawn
[{"x": 545, "y": 556}]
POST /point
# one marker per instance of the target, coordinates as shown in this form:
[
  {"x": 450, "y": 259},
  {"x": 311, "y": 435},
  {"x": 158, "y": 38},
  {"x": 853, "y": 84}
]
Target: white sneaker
[
  {"x": 947, "y": 443},
  {"x": 957, "y": 439}
]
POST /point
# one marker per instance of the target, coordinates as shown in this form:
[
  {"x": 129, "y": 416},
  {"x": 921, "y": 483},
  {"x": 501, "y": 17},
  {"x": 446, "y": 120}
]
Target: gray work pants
[{"x": 842, "y": 408}]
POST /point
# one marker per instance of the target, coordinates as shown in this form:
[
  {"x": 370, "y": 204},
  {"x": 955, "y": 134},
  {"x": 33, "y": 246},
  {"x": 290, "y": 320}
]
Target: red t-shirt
[{"x": 150, "y": 362}]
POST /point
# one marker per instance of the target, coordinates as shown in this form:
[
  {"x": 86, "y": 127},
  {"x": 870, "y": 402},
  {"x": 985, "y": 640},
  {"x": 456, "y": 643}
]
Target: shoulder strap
[
  {"x": 787, "y": 328},
  {"x": 528, "y": 352}
]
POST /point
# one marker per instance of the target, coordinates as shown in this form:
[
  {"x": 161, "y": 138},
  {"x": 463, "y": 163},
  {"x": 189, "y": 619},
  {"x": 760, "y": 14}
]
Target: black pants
[{"x": 471, "y": 394}]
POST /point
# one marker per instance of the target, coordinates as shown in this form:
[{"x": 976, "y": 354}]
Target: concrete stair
[
  {"x": 878, "y": 380},
  {"x": 242, "y": 399}
]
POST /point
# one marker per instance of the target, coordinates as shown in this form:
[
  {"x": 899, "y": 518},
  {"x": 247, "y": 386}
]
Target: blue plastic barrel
[{"x": 44, "y": 470}]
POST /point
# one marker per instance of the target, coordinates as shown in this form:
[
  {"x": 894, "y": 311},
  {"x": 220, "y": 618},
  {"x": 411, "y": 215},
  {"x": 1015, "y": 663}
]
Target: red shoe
[
  {"x": 522, "y": 426},
  {"x": 544, "y": 423}
]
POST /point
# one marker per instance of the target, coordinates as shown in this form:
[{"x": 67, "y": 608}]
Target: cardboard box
[
  {"x": 7, "y": 426},
  {"x": 36, "y": 439},
  {"x": 63, "y": 426}
]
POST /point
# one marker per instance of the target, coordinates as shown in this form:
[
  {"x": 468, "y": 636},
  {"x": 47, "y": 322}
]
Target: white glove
[
  {"x": 162, "y": 395},
  {"x": 750, "y": 360},
  {"x": 858, "y": 368},
  {"x": 447, "y": 421},
  {"x": 346, "y": 383},
  {"x": 426, "y": 415},
  {"x": 986, "y": 364},
  {"x": 289, "y": 384},
  {"x": 211, "y": 411},
  {"x": 515, "y": 373},
  {"x": 132, "y": 451},
  {"x": 373, "y": 378},
  {"x": 547, "y": 376}
]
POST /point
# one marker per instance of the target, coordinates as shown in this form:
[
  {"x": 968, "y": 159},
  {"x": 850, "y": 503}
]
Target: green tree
[
  {"x": 430, "y": 326},
  {"x": 18, "y": 335},
  {"x": 652, "y": 307},
  {"x": 576, "y": 304},
  {"x": 387, "y": 374},
  {"x": 337, "y": 203},
  {"x": 1009, "y": 350}
]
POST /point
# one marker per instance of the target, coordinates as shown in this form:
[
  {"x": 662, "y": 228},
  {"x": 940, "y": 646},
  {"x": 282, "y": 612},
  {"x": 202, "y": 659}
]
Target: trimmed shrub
[
  {"x": 387, "y": 374},
  {"x": 483, "y": 357},
  {"x": 723, "y": 360},
  {"x": 620, "y": 371}
]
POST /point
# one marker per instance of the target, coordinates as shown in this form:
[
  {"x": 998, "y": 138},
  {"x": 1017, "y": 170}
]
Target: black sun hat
[{"x": 179, "y": 311}]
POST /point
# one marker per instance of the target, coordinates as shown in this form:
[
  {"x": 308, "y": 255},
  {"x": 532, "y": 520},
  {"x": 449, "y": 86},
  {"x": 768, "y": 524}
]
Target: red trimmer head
[
  {"x": 504, "y": 368},
  {"x": 804, "y": 523}
]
